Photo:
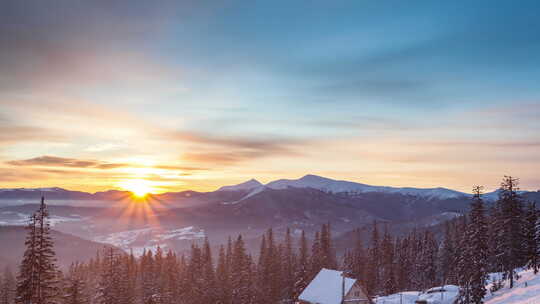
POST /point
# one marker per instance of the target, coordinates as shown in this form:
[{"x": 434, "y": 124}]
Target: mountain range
[
  {"x": 176, "y": 219},
  {"x": 307, "y": 181}
]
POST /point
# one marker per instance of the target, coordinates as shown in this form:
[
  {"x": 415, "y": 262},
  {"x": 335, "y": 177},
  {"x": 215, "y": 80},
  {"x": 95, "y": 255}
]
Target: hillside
[
  {"x": 69, "y": 248},
  {"x": 525, "y": 291}
]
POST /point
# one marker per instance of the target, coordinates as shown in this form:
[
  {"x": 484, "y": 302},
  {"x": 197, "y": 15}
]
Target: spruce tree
[
  {"x": 510, "y": 234},
  {"x": 208, "y": 275},
  {"x": 223, "y": 278},
  {"x": 27, "y": 278},
  {"x": 403, "y": 264},
  {"x": 75, "y": 286},
  {"x": 387, "y": 263},
  {"x": 171, "y": 290},
  {"x": 303, "y": 270},
  {"x": 289, "y": 268},
  {"x": 316, "y": 261},
  {"x": 429, "y": 259},
  {"x": 474, "y": 263},
  {"x": 241, "y": 274},
  {"x": 37, "y": 280},
  {"x": 372, "y": 274},
  {"x": 263, "y": 274},
  {"x": 447, "y": 255},
  {"x": 328, "y": 257},
  {"x": 531, "y": 237},
  {"x": 109, "y": 284},
  {"x": 46, "y": 277},
  {"x": 357, "y": 263}
]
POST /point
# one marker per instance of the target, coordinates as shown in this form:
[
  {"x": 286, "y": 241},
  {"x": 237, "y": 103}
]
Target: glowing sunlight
[{"x": 139, "y": 187}]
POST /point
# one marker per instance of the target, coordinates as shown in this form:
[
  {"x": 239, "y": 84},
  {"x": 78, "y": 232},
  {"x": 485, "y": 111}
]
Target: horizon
[
  {"x": 193, "y": 96},
  {"x": 264, "y": 184}
]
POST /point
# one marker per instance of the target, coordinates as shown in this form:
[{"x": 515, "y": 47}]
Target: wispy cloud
[{"x": 53, "y": 161}]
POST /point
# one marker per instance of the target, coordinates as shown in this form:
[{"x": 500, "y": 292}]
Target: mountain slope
[
  {"x": 249, "y": 185},
  {"x": 525, "y": 291},
  {"x": 68, "y": 248}
]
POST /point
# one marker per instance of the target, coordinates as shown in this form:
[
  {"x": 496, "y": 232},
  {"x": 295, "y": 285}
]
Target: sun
[{"x": 139, "y": 187}]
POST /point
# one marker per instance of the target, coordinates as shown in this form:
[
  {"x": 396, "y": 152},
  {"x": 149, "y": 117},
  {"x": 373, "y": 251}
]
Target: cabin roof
[{"x": 326, "y": 287}]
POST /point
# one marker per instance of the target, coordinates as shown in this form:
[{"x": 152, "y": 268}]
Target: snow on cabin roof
[{"x": 326, "y": 287}]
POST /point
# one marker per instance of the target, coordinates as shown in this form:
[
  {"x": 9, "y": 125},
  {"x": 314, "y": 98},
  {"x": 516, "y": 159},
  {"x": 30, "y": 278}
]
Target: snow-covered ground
[
  {"x": 437, "y": 295},
  {"x": 526, "y": 291},
  {"x": 150, "y": 238},
  {"x": 406, "y": 297}
]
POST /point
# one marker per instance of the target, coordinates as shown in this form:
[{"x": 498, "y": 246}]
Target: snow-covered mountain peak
[
  {"x": 337, "y": 186},
  {"x": 248, "y": 185}
]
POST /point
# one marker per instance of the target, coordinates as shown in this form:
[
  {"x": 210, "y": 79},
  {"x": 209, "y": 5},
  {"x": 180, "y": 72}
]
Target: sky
[{"x": 178, "y": 95}]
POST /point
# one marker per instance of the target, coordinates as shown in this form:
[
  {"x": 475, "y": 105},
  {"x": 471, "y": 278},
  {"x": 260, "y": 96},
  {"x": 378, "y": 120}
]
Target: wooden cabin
[{"x": 329, "y": 286}]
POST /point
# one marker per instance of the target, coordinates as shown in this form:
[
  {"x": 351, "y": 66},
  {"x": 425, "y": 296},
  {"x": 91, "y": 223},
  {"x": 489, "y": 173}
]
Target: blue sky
[{"x": 383, "y": 92}]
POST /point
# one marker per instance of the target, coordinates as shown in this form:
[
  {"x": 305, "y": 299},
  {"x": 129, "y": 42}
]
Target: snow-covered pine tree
[
  {"x": 474, "y": 264},
  {"x": 273, "y": 268},
  {"x": 289, "y": 267},
  {"x": 74, "y": 292},
  {"x": 417, "y": 257},
  {"x": 357, "y": 257},
  {"x": 510, "y": 229},
  {"x": 278, "y": 272},
  {"x": 403, "y": 264},
  {"x": 46, "y": 278},
  {"x": 531, "y": 237},
  {"x": 447, "y": 255},
  {"x": 303, "y": 269},
  {"x": 128, "y": 279},
  {"x": 158, "y": 276},
  {"x": 316, "y": 261},
  {"x": 428, "y": 258},
  {"x": 263, "y": 273},
  {"x": 183, "y": 278},
  {"x": 372, "y": 274},
  {"x": 196, "y": 287},
  {"x": 147, "y": 286},
  {"x": 26, "y": 280},
  {"x": 208, "y": 275},
  {"x": 240, "y": 274},
  {"x": 223, "y": 278},
  {"x": 328, "y": 256},
  {"x": 387, "y": 263},
  {"x": 463, "y": 269},
  {"x": 37, "y": 280},
  {"x": 109, "y": 284}
]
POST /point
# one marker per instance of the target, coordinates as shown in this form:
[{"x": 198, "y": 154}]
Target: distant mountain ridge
[
  {"x": 339, "y": 186},
  {"x": 250, "y": 188},
  {"x": 250, "y": 184}
]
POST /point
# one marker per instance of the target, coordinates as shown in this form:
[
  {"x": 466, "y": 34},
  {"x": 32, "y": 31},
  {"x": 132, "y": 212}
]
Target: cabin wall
[{"x": 356, "y": 295}]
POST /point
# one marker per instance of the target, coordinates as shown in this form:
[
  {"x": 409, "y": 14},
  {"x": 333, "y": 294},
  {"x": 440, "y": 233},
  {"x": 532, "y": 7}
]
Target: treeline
[
  {"x": 279, "y": 273},
  {"x": 500, "y": 239}
]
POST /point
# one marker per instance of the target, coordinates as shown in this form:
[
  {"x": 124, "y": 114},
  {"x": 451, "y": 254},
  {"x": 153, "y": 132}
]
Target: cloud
[
  {"x": 16, "y": 176},
  {"x": 53, "y": 161},
  {"x": 13, "y": 132},
  {"x": 226, "y": 150}
]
